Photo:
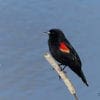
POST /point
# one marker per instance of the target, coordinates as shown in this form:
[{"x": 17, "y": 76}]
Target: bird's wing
[
  {"x": 67, "y": 50},
  {"x": 73, "y": 51},
  {"x": 64, "y": 48}
]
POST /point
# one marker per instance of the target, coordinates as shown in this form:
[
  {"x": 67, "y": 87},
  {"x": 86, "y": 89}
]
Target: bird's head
[{"x": 55, "y": 33}]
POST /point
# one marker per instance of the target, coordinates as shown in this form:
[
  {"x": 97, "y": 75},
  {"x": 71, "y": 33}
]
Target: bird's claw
[
  {"x": 63, "y": 71},
  {"x": 59, "y": 77},
  {"x": 59, "y": 64}
]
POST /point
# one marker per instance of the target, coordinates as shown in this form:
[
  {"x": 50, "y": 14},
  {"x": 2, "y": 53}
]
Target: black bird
[{"x": 61, "y": 49}]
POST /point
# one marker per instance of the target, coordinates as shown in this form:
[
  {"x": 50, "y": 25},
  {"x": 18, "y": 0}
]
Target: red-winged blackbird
[{"x": 64, "y": 53}]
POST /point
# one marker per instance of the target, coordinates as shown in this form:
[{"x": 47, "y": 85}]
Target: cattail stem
[{"x": 61, "y": 73}]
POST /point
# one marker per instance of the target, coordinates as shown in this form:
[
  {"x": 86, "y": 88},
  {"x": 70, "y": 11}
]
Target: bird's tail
[
  {"x": 79, "y": 72},
  {"x": 83, "y": 78}
]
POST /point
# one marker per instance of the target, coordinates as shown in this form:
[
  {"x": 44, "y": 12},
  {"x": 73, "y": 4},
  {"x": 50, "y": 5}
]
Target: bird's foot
[
  {"x": 59, "y": 64},
  {"x": 59, "y": 77},
  {"x": 62, "y": 69}
]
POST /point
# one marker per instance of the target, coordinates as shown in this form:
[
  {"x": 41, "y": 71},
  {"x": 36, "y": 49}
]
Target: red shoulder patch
[{"x": 64, "y": 48}]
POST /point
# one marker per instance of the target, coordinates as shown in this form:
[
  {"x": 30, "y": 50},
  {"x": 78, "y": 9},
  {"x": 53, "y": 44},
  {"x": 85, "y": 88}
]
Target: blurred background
[{"x": 24, "y": 73}]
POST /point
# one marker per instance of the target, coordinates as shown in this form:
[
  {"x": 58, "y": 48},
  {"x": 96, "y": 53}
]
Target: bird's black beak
[{"x": 47, "y": 32}]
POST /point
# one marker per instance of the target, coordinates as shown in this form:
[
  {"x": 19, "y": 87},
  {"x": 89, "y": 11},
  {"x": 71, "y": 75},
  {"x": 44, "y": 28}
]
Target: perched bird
[{"x": 61, "y": 49}]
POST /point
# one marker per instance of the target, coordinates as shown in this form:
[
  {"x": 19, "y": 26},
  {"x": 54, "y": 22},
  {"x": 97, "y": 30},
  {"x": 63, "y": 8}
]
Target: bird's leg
[
  {"x": 59, "y": 65},
  {"x": 63, "y": 67},
  {"x": 59, "y": 77},
  {"x": 61, "y": 70}
]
